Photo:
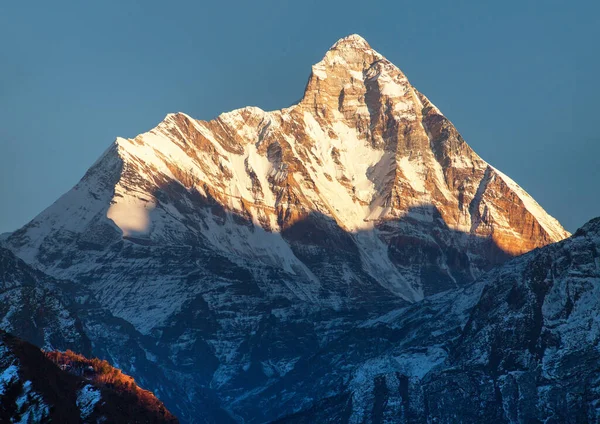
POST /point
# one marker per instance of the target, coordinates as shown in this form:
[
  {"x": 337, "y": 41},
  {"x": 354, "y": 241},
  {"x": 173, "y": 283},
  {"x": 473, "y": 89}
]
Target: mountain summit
[
  {"x": 284, "y": 225},
  {"x": 363, "y": 151}
]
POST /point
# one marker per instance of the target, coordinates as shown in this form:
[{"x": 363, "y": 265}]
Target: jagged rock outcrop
[{"x": 241, "y": 245}]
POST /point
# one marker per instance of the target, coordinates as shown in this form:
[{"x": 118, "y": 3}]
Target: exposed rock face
[
  {"x": 254, "y": 239},
  {"x": 519, "y": 345},
  {"x": 33, "y": 389}
]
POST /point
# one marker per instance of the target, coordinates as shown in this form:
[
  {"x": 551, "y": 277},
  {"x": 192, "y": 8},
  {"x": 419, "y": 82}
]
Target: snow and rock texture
[
  {"x": 59, "y": 315},
  {"x": 241, "y": 245},
  {"x": 521, "y": 344},
  {"x": 33, "y": 389}
]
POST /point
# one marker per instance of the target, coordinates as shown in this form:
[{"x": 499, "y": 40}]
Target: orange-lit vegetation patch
[{"x": 105, "y": 376}]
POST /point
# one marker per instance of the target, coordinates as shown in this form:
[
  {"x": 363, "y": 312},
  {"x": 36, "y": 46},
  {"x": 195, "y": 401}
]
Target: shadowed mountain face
[
  {"x": 33, "y": 389},
  {"x": 237, "y": 247},
  {"x": 519, "y": 345},
  {"x": 59, "y": 315}
]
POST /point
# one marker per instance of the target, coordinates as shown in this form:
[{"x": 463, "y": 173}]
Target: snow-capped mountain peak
[
  {"x": 363, "y": 150},
  {"x": 257, "y": 228}
]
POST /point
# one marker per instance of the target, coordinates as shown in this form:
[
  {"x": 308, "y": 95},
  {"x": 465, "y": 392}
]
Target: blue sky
[{"x": 518, "y": 79}]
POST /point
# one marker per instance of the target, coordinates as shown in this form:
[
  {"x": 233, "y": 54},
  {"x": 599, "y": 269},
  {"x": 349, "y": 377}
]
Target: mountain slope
[
  {"x": 34, "y": 389},
  {"x": 60, "y": 315},
  {"x": 256, "y": 238},
  {"x": 519, "y": 345}
]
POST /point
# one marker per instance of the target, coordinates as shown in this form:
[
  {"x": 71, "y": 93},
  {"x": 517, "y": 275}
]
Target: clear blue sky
[{"x": 519, "y": 79}]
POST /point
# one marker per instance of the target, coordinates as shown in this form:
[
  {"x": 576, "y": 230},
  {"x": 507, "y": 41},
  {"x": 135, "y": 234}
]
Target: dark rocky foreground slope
[{"x": 35, "y": 389}]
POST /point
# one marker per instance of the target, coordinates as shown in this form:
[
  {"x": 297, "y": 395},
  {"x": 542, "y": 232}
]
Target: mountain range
[{"x": 348, "y": 258}]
